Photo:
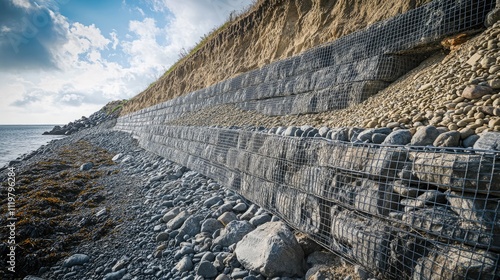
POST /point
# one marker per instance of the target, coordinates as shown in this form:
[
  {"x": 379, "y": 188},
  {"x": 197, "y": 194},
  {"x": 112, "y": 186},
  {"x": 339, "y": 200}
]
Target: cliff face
[{"x": 271, "y": 30}]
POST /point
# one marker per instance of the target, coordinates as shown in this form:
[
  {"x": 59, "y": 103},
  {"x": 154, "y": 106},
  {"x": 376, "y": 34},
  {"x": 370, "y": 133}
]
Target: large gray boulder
[
  {"x": 271, "y": 250},
  {"x": 398, "y": 137},
  {"x": 233, "y": 232}
]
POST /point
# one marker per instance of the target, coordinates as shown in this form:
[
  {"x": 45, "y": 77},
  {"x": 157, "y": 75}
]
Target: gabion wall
[
  {"x": 411, "y": 212},
  {"x": 401, "y": 212},
  {"x": 337, "y": 74}
]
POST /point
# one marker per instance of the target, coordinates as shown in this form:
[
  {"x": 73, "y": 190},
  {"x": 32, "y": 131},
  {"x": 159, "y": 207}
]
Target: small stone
[
  {"x": 240, "y": 207},
  {"x": 371, "y": 124},
  {"x": 392, "y": 125},
  {"x": 474, "y": 59},
  {"x": 260, "y": 219},
  {"x": 323, "y": 131},
  {"x": 494, "y": 84},
  {"x": 398, "y": 137},
  {"x": 86, "y": 166},
  {"x": 341, "y": 134},
  {"x": 223, "y": 277},
  {"x": 487, "y": 61},
  {"x": 212, "y": 201},
  {"x": 223, "y": 208},
  {"x": 156, "y": 178},
  {"x": 227, "y": 217},
  {"x": 185, "y": 264},
  {"x": 493, "y": 69},
  {"x": 191, "y": 226},
  {"x": 425, "y": 87},
  {"x": 120, "y": 264},
  {"x": 470, "y": 141},
  {"x": 493, "y": 122},
  {"x": 425, "y": 136},
  {"x": 290, "y": 131},
  {"x": 465, "y": 132},
  {"x": 115, "y": 275},
  {"x": 207, "y": 270},
  {"x": 210, "y": 225},
  {"x": 171, "y": 214},
  {"x": 117, "y": 157},
  {"x": 162, "y": 236},
  {"x": 475, "y": 91},
  {"x": 378, "y": 138},
  {"x": 209, "y": 256},
  {"x": 366, "y": 135},
  {"x": 76, "y": 259},
  {"x": 488, "y": 110},
  {"x": 101, "y": 212},
  {"x": 177, "y": 222}
]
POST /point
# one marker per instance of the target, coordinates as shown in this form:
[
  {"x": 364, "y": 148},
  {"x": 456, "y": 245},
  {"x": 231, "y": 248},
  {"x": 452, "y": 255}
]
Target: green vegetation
[{"x": 114, "y": 106}]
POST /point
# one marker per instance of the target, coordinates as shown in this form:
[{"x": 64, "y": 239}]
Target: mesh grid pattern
[
  {"x": 340, "y": 73},
  {"x": 399, "y": 211},
  {"x": 396, "y": 210}
]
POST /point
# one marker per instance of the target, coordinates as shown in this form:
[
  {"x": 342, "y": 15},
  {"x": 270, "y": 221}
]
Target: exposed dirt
[{"x": 271, "y": 30}]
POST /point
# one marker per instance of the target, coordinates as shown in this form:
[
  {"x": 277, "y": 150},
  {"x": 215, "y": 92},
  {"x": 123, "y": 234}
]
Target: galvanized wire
[
  {"x": 421, "y": 213},
  {"x": 399, "y": 211}
]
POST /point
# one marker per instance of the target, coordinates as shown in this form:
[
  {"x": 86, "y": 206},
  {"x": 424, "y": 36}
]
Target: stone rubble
[{"x": 148, "y": 245}]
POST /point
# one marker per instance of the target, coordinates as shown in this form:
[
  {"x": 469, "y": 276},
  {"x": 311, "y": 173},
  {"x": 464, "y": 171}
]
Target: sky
[{"x": 64, "y": 59}]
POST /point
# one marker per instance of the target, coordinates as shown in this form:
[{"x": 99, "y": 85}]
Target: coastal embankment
[{"x": 95, "y": 205}]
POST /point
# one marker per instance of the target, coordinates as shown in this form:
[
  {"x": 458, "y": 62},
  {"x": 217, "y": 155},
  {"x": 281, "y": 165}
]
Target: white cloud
[
  {"x": 114, "y": 39},
  {"x": 86, "y": 79},
  {"x": 22, "y": 3},
  {"x": 141, "y": 11}
]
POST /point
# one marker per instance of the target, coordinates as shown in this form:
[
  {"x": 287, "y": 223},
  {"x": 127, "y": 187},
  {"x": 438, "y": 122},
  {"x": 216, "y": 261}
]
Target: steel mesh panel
[
  {"x": 378, "y": 54},
  {"x": 399, "y": 211},
  {"x": 396, "y": 210}
]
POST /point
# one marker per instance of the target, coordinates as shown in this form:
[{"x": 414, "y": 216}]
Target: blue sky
[{"x": 63, "y": 59}]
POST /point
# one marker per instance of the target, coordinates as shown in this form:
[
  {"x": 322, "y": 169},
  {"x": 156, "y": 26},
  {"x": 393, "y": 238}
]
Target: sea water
[{"x": 16, "y": 140}]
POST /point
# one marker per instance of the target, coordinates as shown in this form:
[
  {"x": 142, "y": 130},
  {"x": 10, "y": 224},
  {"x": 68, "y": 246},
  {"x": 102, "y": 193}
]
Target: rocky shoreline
[
  {"x": 136, "y": 215},
  {"x": 107, "y": 113}
]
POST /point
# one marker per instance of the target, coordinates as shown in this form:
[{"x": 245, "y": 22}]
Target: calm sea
[{"x": 16, "y": 140}]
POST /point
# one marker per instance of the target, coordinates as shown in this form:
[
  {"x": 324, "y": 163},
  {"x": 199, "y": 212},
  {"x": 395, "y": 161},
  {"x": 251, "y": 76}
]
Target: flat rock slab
[{"x": 474, "y": 173}]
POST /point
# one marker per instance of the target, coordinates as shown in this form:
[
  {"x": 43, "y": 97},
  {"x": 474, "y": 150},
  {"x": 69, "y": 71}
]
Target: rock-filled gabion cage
[
  {"x": 338, "y": 74},
  {"x": 404, "y": 212},
  {"x": 411, "y": 212}
]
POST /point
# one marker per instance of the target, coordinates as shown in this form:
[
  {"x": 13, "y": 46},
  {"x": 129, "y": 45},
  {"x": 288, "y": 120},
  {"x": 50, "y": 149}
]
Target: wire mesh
[
  {"x": 399, "y": 211},
  {"x": 340, "y": 73}
]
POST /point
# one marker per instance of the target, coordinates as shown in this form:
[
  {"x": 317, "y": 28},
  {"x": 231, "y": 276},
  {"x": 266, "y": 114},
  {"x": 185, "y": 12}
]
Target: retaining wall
[
  {"x": 398, "y": 211},
  {"x": 340, "y": 73}
]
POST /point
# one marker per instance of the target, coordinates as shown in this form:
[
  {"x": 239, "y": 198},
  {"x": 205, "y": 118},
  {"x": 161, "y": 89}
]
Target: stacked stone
[
  {"x": 336, "y": 75},
  {"x": 396, "y": 210}
]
